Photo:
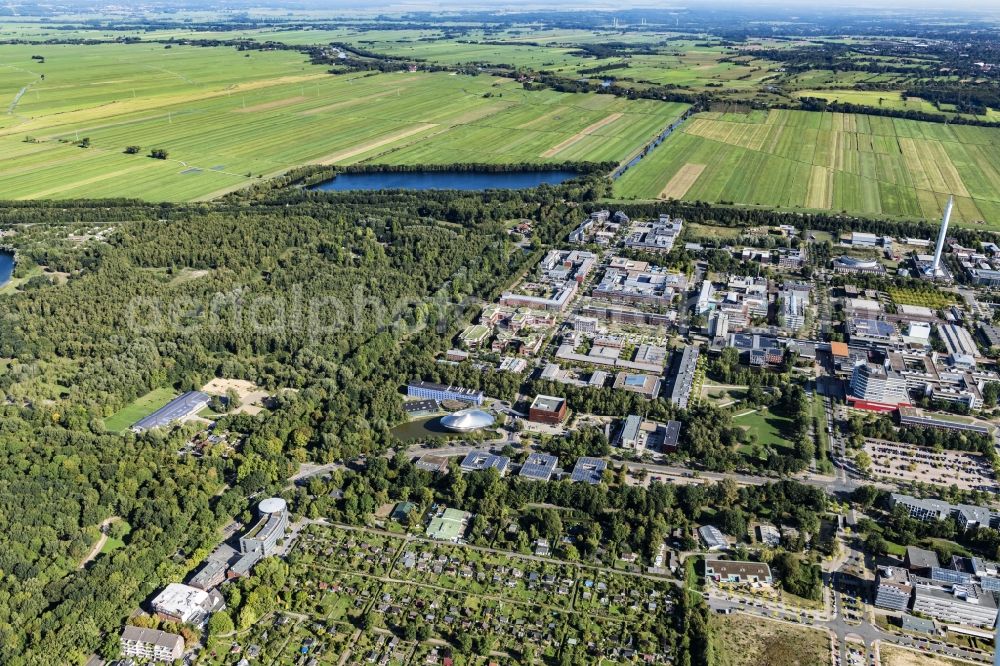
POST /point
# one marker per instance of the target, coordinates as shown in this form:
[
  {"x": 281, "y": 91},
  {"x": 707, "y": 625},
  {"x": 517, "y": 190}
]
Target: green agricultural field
[
  {"x": 139, "y": 408},
  {"x": 876, "y": 98},
  {"x": 226, "y": 118},
  {"x": 827, "y": 161}
]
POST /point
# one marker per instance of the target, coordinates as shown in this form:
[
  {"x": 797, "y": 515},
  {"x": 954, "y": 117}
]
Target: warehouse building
[
  {"x": 957, "y": 340},
  {"x": 712, "y": 537}
]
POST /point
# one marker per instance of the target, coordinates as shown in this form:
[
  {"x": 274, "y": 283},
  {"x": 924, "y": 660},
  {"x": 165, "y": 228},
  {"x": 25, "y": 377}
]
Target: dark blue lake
[
  {"x": 443, "y": 180},
  {"x": 6, "y": 266}
]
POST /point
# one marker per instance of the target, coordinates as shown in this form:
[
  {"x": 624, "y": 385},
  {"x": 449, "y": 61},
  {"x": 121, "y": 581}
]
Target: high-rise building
[{"x": 877, "y": 388}]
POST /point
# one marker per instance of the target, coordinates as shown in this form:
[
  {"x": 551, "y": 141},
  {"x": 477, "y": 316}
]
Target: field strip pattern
[
  {"x": 682, "y": 181},
  {"x": 276, "y": 104},
  {"x": 290, "y": 112},
  {"x": 373, "y": 144},
  {"x": 829, "y": 161},
  {"x": 579, "y": 136}
]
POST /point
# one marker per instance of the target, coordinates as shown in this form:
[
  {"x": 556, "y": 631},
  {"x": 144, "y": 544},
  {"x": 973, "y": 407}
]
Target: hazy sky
[{"x": 869, "y": 5}]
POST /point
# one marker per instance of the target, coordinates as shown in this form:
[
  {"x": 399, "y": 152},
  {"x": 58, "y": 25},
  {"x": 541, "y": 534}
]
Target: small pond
[{"x": 6, "y": 267}]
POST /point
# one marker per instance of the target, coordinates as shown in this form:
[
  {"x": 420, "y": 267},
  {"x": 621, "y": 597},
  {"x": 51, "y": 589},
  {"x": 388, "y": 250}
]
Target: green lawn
[
  {"x": 113, "y": 544},
  {"x": 770, "y": 429},
  {"x": 870, "y": 165},
  {"x": 822, "y": 437},
  {"x": 139, "y": 408}
]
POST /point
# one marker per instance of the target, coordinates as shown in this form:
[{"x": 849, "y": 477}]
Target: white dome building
[{"x": 467, "y": 420}]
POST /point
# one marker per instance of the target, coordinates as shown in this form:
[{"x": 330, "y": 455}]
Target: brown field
[
  {"x": 682, "y": 181},
  {"x": 820, "y": 192},
  {"x": 374, "y": 143},
  {"x": 251, "y": 396},
  {"x": 585, "y": 132},
  {"x": 746, "y": 641},
  {"x": 894, "y": 656}
]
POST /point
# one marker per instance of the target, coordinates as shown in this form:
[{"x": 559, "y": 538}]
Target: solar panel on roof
[
  {"x": 949, "y": 576},
  {"x": 176, "y": 409},
  {"x": 990, "y": 584},
  {"x": 539, "y": 465}
]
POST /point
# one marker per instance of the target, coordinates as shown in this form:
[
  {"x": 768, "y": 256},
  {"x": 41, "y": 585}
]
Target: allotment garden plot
[
  {"x": 827, "y": 161},
  {"x": 339, "y": 576}
]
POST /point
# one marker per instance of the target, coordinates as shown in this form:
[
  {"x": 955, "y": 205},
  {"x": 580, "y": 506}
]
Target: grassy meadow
[
  {"x": 227, "y": 118},
  {"x": 744, "y": 641},
  {"x": 827, "y": 161},
  {"x": 140, "y": 408}
]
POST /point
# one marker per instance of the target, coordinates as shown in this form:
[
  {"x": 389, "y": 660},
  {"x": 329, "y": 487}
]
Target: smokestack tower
[{"x": 935, "y": 267}]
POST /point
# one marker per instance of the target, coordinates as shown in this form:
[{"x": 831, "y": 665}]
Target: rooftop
[
  {"x": 539, "y": 466},
  {"x": 727, "y": 568},
  {"x": 152, "y": 636},
  {"x": 480, "y": 460},
  {"x": 175, "y": 410},
  {"x": 547, "y": 403},
  {"x": 918, "y": 558},
  {"x": 712, "y": 537},
  {"x": 589, "y": 470}
]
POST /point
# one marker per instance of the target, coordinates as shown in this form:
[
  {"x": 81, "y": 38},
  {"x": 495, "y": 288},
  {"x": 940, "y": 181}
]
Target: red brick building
[{"x": 547, "y": 409}]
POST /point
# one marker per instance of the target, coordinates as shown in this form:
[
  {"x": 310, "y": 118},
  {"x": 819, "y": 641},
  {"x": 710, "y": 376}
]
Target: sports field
[
  {"x": 827, "y": 161},
  {"x": 226, "y": 118}
]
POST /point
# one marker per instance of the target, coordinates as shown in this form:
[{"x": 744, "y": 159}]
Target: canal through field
[
  {"x": 652, "y": 145},
  {"x": 444, "y": 180}
]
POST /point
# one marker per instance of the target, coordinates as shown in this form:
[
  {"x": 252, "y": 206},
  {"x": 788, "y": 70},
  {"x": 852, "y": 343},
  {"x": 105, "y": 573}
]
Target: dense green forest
[
  {"x": 330, "y": 301},
  {"x": 340, "y": 300}
]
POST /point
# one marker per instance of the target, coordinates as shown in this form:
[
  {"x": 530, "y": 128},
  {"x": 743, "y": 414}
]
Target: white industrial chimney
[{"x": 935, "y": 268}]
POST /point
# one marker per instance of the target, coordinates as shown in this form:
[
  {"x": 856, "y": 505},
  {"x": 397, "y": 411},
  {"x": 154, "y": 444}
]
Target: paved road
[{"x": 831, "y": 484}]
